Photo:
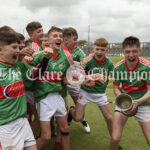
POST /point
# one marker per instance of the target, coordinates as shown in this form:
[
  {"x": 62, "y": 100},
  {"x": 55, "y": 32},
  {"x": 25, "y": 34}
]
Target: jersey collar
[
  {"x": 100, "y": 62},
  {"x": 129, "y": 70},
  {"x": 55, "y": 57},
  {"x": 6, "y": 63},
  {"x": 37, "y": 43},
  {"x": 70, "y": 51}
]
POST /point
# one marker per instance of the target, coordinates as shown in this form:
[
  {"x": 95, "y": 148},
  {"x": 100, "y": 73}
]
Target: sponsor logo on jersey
[{"x": 12, "y": 90}]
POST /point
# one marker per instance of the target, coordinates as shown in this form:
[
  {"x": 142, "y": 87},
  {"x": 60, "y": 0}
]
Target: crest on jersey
[
  {"x": 10, "y": 148},
  {"x": 60, "y": 66}
]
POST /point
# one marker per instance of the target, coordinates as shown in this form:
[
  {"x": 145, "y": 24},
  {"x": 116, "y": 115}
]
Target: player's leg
[
  {"x": 58, "y": 144},
  {"x": 146, "y": 130},
  {"x": 117, "y": 128},
  {"x": 76, "y": 113},
  {"x": 61, "y": 117},
  {"x": 74, "y": 93},
  {"x": 45, "y": 135},
  {"x": 102, "y": 101},
  {"x": 47, "y": 108},
  {"x": 107, "y": 116},
  {"x": 64, "y": 128}
]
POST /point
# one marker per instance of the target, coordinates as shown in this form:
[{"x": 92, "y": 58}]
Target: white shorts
[
  {"x": 73, "y": 90},
  {"x": 30, "y": 97},
  {"x": 142, "y": 115},
  {"x": 16, "y": 134},
  {"x": 85, "y": 98},
  {"x": 52, "y": 105},
  {"x": 66, "y": 101}
]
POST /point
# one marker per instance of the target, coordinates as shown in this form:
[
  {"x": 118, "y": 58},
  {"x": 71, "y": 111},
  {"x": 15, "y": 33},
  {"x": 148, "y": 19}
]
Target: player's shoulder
[
  {"x": 119, "y": 64},
  {"x": 144, "y": 62},
  {"x": 88, "y": 59},
  {"x": 109, "y": 60}
]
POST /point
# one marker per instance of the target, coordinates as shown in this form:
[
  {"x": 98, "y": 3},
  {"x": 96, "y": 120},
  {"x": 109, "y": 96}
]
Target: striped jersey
[
  {"x": 93, "y": 66},
  {"x": 77, "y": 54},
  {"x": 133, "y": 82},
  {"x": 36, "y": 47},
  {"x": 12, "y": 92},
  {"x": 51, "y": 82}
]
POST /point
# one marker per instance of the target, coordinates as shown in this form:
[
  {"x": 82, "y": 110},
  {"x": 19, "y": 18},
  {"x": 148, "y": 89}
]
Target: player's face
[
  {"x": 131, "y": 53},
  {"x": 99, "y": 52},
  {"x": 21, "y": 44},
  {"x": 71, "y": 42},
  {"x": 45, "y": 42},
  {"x": 55, "y": 40},
  {"x": 9, "y": 53},
  {"x": 37, "y": 35}
]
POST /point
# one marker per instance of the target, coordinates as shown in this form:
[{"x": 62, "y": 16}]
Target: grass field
[{"x": 98, "y": 139}]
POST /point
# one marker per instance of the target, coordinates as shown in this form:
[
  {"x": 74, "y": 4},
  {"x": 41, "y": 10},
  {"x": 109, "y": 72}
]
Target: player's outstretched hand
[
  {"x": 98, "y": 77},
  {"x": 48, "y": 52}
]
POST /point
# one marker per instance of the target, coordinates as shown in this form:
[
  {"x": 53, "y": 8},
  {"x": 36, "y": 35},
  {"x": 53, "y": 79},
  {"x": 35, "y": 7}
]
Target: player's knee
[
  {"x": 115, "y": 139},
  {"x": 45, "y": 138},
  {"x": 64, "y": 128},
  {"x": 109, "y": 118}
]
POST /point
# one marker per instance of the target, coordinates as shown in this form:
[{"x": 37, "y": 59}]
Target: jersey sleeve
[
  {"x": 36, "y": 59},
  {"x": 28, "y": 72}
]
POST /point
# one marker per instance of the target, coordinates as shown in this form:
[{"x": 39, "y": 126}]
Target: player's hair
[
  {"x": 54, "y": 29},
  {"x": 45, "y": 35},
  {"x": 32, "y": 26},
  {"x": 68, "y": 32},
  {"x": 7, "y": 29},
  {"x": 101, "y": 42},
  {"x": 7, "y": 38},
  {"x": 130, "y": 41},
  {"x": 28, "y": 42},
  {"x": 20, "y": 36}
]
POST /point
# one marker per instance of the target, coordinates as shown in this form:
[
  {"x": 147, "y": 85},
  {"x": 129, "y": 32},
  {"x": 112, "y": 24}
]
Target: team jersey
[
  {"x": 51, "y": 81},
  {"x": 64, "y": 51},
  {"x": 36, "y": 47},
  {"x": 133, "y": 82},
  {"x": 77, "y": 54},
  {"x": 12, "y": 92},
  {"x": 93, "y": 66}
]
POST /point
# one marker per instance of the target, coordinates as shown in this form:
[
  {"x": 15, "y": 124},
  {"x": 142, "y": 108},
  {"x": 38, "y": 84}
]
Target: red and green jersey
[
  {"x": 36, "y": 47},
  {"x": 93, "y": 66},
  {"x": 51, "y": 82},
  {"x": 12, "y": 93},
  {"x": 77, "y": 54},
  {"x": 133, "y": 82},
  {"x": 64, "y": 51}
]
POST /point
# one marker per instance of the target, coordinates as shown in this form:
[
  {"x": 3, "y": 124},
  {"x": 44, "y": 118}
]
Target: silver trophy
[{"x": 125, "y": 103}]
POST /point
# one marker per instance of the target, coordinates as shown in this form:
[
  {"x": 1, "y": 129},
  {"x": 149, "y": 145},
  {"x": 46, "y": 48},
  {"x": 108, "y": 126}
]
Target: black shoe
[
  {"x": 120, "y": 148},
  {"x": 69, "y": 115},
  {"x": 53, "y": 133}
]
